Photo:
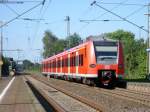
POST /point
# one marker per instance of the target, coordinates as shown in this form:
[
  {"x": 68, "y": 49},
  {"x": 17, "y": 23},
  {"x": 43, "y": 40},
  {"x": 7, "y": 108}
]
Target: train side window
[
  {"x": 57, "y": 64},
  {"x": 68, "y": 62},
  {"x": 77, "y": 60},
  {"x": 62, "y": 62},
  {"x": 74, "y": 60},
  {"x": 48, "y": 64},
  {"x": 54, "y": 64},
  {"x": 81, "y": 60}
]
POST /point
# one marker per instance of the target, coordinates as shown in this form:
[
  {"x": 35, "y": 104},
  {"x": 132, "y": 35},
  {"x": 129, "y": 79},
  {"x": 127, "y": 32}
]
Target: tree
[
  {"x": 54, "y": 45},
  {"x": 73, "y": 40},
  {"x": 134, "y": 53},
  {"x": 49, "y": 40},
  {"x": 5, "y": 66},
  {"x": 27, "y": 64}
]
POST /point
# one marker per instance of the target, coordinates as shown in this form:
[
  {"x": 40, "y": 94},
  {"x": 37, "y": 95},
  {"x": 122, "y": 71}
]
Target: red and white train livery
[{"x": 99, "y": 62}]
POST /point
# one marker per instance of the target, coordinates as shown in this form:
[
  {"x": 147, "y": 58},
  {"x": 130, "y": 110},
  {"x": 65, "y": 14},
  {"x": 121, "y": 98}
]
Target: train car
[{"x": 92, "y": 62}]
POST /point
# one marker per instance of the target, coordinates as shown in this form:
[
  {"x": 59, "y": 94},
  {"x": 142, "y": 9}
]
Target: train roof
[
  {"x": 77, "y": 47},
  {"x": 68, "y": 51}
]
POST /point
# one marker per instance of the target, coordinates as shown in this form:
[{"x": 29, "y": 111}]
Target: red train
[{"x": 92, "y": 62}]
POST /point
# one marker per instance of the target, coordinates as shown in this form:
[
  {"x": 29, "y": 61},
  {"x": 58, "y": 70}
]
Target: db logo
[{"x": 107, "y": 67}]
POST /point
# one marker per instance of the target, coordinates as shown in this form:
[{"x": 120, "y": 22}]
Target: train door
[
  {"x": 56, "y": 66},
  {"x": 82, "y": 62},
  {"x": 66, "y": 64},
  {"x": 74, "y": 64},
  {"x": 61, "y": 65},
  {"x": 69, "y": 64},
  {"x": 77, "y": 63},
  {"x": 48, "y": 66}
]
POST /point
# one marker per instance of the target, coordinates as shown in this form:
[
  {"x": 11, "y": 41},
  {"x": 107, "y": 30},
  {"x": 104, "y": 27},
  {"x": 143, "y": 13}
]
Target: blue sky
[{"x": 27, "y": 35}]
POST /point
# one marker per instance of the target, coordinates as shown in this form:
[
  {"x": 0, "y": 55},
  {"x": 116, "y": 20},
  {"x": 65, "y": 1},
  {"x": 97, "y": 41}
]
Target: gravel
[{"x": 109, "y": 102}]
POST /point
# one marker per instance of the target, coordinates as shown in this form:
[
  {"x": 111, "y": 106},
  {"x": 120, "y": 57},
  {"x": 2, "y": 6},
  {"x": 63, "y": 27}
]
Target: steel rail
[{"x": 86, "y": 101}]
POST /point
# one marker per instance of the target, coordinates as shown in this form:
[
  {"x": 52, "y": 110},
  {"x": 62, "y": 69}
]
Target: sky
[{"x": 27, "y": 35}]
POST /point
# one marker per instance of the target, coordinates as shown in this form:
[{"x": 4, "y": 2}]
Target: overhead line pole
[
  {"x": 68, "y": 28},
  {"x": 148, "y": 44},
  {"x": 149, "y": 38}
]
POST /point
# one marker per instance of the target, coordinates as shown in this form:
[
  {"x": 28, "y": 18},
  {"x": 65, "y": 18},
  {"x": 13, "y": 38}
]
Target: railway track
[
  {"x": 141, "y": 98},
  {"x": 110, "y": 100},
  {"x": 93, "y": 107},
  {"x": 139, "y": 86}
]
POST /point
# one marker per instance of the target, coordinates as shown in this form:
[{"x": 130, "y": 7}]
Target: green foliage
[
  {"x": 5, "y": 66},
  {"x": 49, "y": 41},
  {"x": 134, "y": 53},
  {"x": 27, "y": 64},
  {"x": 53, "y": 45},
  {"x": 73, "y": 40}
]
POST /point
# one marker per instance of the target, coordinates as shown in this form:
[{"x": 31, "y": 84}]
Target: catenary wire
[
  {"x": 118, "y": 5},
  {"x": 11, "y": 9},
  {"x": 20, "y": 15}
]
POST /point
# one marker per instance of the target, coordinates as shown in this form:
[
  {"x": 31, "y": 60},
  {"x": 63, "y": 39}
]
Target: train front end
[{"x": 109, "y": 61}]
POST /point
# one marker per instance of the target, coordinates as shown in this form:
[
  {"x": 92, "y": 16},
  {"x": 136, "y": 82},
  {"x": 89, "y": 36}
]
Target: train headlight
[{"x": 92, "y": 65}]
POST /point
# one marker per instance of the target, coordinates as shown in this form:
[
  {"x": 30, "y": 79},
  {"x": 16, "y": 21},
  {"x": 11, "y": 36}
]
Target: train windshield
[{"x": 106, "y": 52}]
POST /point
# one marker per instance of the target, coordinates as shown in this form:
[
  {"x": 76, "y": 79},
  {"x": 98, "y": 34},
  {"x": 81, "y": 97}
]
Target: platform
[{"x": 19, "y": 98}]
